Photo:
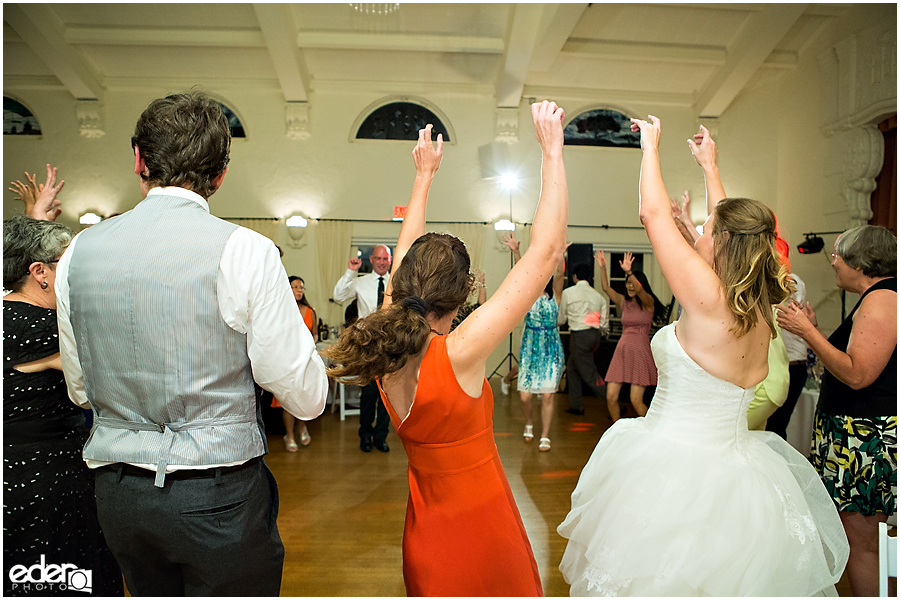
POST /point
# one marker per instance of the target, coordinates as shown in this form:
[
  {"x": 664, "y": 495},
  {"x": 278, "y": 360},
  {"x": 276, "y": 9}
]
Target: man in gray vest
[{"x": 166, "y": 316}]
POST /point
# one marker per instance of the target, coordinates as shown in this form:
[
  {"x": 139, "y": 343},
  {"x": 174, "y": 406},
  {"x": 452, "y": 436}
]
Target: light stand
[{"x": 509, "y": 181}]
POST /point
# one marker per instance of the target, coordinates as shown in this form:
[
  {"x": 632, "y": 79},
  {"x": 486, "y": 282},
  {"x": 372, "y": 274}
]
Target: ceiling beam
[
  {"x": 561, "y": 23},
  {"x": 646, "y": 51},
  {"x": 280, "y": 37},
  {"x": 757, "y": 39},
  {"x": 399, "y": 41},
  {"x": 523, "y": 38},
  {"x": 43, "y": 31},
  {"x": 163, "y": 36}
]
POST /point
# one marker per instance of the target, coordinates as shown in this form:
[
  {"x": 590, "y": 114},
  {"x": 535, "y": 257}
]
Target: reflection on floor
[{"x": 342, "y": 511}]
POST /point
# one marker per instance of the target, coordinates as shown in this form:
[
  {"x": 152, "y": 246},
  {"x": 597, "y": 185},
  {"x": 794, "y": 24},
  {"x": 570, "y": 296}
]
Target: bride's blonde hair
[{"x": 746, "y": 260}]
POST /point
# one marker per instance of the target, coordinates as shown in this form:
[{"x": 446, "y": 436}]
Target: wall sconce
[
  {"x": 90, "y": 218},
  {"x": 296, "y": 227},
  {"x": 502, "y": 227}
]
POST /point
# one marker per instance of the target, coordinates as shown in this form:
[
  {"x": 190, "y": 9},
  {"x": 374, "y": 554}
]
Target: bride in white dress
[{"x": 686, "y": 501}]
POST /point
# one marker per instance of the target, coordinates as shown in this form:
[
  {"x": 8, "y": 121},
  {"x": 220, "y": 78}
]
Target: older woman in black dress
[
  {"x": 855, "y": 445},
  {"x": 48, "y": 497}
]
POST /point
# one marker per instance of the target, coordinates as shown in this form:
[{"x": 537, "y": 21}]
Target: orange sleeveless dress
[{"x": 463, "y": 534}]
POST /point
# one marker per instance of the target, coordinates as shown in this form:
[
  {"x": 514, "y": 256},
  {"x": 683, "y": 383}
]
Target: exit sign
[{"x": 399, "y": 213}]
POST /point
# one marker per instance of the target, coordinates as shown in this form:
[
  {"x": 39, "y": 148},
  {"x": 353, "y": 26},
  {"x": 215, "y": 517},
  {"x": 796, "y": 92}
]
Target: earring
[{"x": 44, "y": 285}]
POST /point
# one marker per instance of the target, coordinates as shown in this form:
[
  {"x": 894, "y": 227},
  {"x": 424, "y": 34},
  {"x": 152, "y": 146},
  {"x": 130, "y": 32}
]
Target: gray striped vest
[{"x": 169, "y": 381}]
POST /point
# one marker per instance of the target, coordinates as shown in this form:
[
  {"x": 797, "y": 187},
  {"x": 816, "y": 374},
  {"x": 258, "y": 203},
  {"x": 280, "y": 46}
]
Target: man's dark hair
[
  {"x": 184, "y": 140},
  {"x": 583, "y": 271}
]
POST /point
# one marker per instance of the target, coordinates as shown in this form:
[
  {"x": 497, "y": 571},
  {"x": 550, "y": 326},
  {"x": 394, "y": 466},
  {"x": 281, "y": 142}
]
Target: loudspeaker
[
  {"x": 579, "y": 253},
  {"x": 493, "y": 159}
]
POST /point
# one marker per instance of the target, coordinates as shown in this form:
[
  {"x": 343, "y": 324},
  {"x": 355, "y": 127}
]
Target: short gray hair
[
  {"x": 27, "y": 241},
  {"x": 871, "y": 248}
]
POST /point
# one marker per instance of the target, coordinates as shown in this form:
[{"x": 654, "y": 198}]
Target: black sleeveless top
[{"x": 876, "y": 400}]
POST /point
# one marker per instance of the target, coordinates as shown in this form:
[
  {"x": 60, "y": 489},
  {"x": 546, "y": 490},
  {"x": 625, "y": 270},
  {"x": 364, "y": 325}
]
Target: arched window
[
  {"x": 18, "y": 120},
  {"x": 601, "y": 127},
  {"x": 237, "y": 128},
  {"x": 400, "y": 121}
]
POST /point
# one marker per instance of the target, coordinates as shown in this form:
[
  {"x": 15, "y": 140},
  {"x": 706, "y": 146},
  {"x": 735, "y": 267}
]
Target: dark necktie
[{"x": 380, "y": 291}]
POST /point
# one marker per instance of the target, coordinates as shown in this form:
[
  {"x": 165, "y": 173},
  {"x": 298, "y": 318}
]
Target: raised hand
[
  {"x": 650, "y": 132},
  {"x": 703, "y": 147},
  {"x": 40, "y": 199},
  {"x": 426, "y": 156},
  {"x": 626, "y": 262},
  {"x": 509, "y": 240},
  {"x": 354, "y": 264},
  {"x": 686, "y": 203},
  {"x": 479, "y": 276},
  {"x": 548, "y": 119},
  {"x": 676, "y": 208},
  {"x": 600, "y": 256}
]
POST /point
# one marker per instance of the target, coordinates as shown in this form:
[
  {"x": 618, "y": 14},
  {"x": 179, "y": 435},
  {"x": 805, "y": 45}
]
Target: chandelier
[{"x": 375, "y": 8}]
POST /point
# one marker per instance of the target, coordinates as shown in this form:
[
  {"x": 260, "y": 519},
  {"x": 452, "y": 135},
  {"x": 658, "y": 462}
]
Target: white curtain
[
  {"x": 266, "y": 227},
  {"x": 472, "y": 234},
  {"x": 333, "y": 239}
]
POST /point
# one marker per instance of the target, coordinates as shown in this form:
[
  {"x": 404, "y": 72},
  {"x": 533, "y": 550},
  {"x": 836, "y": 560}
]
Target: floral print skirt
[{"x": 857, "y": 460}]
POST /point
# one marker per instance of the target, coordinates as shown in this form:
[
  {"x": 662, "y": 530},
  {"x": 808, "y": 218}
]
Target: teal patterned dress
[{"x": 541, "y": 355}]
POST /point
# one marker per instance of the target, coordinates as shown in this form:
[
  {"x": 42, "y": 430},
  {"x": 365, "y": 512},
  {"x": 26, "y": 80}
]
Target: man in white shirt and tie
[
  {"x": 575, "y": 305},
  {"x": 368, "y": 290}
]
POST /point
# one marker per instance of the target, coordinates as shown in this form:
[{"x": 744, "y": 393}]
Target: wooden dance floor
[{"x": 342, "y": 511}]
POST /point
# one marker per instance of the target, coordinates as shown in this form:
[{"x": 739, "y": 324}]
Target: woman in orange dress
[
  {"x": 464, "y": 535},
  {"x": 309, "y": 319}
]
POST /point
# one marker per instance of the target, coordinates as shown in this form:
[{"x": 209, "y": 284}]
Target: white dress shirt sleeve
[
  {"x": 68, "y": 352},
  {"x": 563, "y": 308},
  {"x": 604, "y": 314},
  {"x": 345, "y": 288},
  {"x": 255, "y": 298}
]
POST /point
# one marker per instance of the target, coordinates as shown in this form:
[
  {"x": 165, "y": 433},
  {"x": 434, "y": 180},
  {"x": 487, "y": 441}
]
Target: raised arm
[
  {"x": 470, "y": 344},
  {"x": 509, "y": 240},
  {"x": 40, "y": 199},
  {"x": 703, "y": 147},
  {"x": 681, "y": 214},
  {"x": 482, "y": 290},
  {"x": 691, "y": 279},
  {"x": 427, "y": 158},
  {"x": 613, "y": 295}
]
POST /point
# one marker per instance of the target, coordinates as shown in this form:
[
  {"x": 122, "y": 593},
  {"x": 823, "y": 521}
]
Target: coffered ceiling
[{"x": 696, "y": 55}]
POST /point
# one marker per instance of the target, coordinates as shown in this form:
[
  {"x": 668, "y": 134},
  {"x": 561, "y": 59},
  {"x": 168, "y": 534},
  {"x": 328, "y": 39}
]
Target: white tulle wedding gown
[{"x": 688, "y": 502}]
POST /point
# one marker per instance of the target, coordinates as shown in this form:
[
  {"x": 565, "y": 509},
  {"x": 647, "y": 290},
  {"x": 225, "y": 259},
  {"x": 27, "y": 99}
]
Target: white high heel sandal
[{"x": 528, "y": 435}]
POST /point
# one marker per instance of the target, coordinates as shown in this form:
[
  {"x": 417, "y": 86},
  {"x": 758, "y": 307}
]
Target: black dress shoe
[
  {"x": 382, "y": 446},
  {"x": 365, "y": 445},
  {"x": 575, "y": 411}
]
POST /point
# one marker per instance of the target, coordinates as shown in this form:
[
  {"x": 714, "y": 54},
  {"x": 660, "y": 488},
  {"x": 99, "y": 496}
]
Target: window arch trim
[
  {"x": 366, "y": 112},
  {"x": 602, "y": 106}
]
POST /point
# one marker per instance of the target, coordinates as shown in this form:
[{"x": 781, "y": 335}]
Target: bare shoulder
[{"x": 709, "y": 341}]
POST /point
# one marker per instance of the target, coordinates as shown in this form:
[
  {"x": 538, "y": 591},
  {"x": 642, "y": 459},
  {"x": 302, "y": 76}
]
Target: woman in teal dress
[{"x": 541, "y": 358}]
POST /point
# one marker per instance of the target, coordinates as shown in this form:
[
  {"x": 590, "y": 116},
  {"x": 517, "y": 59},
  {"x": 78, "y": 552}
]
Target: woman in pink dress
[{"x": 632, "y": 362}]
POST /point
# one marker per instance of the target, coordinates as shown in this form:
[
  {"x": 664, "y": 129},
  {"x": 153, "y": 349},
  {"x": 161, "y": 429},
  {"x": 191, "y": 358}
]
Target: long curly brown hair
[
  {"x": 435, "y": 270},
  {"x": 747, "y": 262}
]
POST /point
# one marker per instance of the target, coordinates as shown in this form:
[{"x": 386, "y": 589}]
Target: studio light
[
  {"x": 811, "y": 245},
  {"x": 509, "y": 180}
]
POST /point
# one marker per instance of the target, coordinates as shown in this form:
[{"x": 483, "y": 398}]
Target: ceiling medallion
[{"x": 375, "y": 8}]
